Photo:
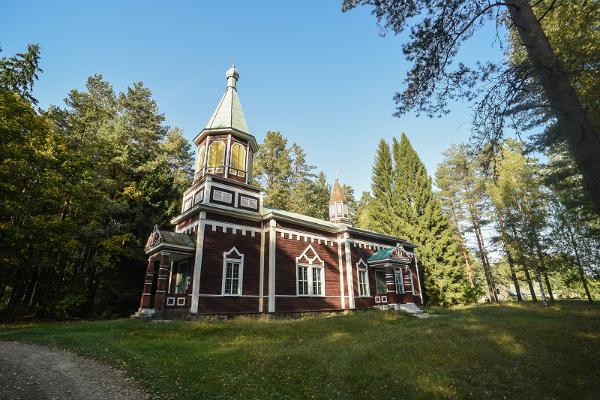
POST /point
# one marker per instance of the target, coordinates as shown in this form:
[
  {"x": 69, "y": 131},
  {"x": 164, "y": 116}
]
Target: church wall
[
  {"x": 289, "y": 246},
  {"x": 217, "y": 242}
]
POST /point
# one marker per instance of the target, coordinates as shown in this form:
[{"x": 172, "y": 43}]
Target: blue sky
[{"x": 323, "y": 78}]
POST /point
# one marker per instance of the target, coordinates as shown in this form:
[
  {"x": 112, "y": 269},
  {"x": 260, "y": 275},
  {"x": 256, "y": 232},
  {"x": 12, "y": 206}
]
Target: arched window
[
  {"x": 201, "y": 155},
  {"x": 238, "y": 159},
  {"x": 233, "y": 273},
  {"x": 216, "y": 157},
  {"x": 363, "y": 278},
  {"x": 310, "y": 274}
]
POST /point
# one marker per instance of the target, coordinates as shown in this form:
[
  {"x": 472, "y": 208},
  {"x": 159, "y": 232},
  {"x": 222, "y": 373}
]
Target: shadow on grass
[{"x": 479, "y": 352}]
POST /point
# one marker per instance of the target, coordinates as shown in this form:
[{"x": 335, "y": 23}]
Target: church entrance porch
[
  {"x": 396, "y": 278},
  {"x": 168, "y": 274}
]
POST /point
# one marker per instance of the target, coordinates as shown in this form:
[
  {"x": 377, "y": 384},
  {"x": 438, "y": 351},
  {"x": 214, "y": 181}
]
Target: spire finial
[{"x": 232, "y": 75}]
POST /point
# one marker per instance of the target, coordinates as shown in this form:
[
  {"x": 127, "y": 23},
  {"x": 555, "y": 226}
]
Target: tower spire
[
  {"x": 232, "y": 75},
  {"x": 338, "y": 208}
]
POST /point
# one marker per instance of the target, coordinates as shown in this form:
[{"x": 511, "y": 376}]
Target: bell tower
[
  {"x": 225, "y": 146},
  {"x": 338, "y": 209}
]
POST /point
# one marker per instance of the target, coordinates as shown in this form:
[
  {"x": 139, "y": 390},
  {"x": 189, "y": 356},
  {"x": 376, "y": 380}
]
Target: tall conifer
[
  {"x": 403, "y": 205},
  {"x": 382, "y": 184}
]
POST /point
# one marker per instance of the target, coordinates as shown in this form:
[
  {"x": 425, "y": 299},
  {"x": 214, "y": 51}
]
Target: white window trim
[
  {"x": 181, "y": 301},
  {"x": 240, "y": 261},
  {"x": 361, "y": 265},
  {"x": 187, "y": 276},
  {"x": 170, "y": 301},
  {"x": 396, "y": 271},
  {"x": 311, "y": 264}
]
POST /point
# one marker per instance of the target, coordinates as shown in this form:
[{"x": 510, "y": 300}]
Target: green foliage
[
  {"x": 403, "y": 205},
  {"x": 19, "y": 73},
  {"x": 466, "y": 353},
  {"x": 288, "y": 181},
  {"x": 273, "y": 169},
  {"x": 83, "y": 187}
]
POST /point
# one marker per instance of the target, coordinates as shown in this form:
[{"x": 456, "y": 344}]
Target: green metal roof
[
  {"x": 229, "y": 112},
  {"x": 391, "y": 254}
]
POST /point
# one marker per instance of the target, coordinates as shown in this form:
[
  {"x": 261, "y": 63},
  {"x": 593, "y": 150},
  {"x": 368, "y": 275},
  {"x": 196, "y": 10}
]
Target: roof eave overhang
[
  {"x": 251, "y": 215},
  {"x": 176, "y": 248},
  {"x": 378, "y": 235},
  {"x": 282, "y": 217},
  {"x": 387, "y": 262},
  {"x": 215, "y": 131}
]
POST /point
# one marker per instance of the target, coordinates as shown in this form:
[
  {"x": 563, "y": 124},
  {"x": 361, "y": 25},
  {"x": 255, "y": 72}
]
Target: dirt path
[{"x": 36, "y": 372}]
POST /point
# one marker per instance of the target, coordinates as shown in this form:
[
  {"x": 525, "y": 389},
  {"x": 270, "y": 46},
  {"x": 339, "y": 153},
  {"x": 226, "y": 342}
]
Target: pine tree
[{"x": 273, "y": 170}]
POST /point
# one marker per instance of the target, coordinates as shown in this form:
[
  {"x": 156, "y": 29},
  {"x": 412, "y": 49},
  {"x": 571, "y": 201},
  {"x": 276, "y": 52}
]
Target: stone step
[{"x": 410, "y": 308}]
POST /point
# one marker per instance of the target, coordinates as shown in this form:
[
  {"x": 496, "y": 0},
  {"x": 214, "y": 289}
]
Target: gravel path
[{"x": 36, "y": 372}]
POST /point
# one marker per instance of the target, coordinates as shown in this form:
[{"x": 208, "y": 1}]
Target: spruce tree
[
  {"x": 419, "y": 218},
  {"x": 403, "y": 205},
  {"x": 381, "y": 206}
]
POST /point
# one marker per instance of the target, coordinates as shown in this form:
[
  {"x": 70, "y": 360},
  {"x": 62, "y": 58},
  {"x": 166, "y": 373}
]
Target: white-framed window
[
  {"x": 248, "y": 202},
  {"x": 199, "y": 196},
  {"x": 233, "y": 272},
  {"x": 220, "y": 195},
  {"x": 181, "y": 301},
  {"x": 170, "y": 301},
  {"x": 363, "y": 278},
  {"x": 187, "y": 204},
  {"x": 399, "y": 281},
  {"x": 310, "y": 273},
  {"x": 182, "y": 278},
  {"x": 412, "y": 284}
]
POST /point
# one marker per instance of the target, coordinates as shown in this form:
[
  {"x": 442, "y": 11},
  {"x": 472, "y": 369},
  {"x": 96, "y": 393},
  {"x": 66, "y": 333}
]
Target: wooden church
[{"x": 230, "y": 254}]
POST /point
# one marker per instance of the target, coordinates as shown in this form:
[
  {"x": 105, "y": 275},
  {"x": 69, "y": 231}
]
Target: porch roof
[
  {"x": 396, "y": 255},
  {"x": 160, "y": 240}
]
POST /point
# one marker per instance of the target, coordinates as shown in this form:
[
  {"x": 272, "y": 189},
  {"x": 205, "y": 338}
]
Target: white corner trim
[
  {"x": 261, "y": 276},
  {"x": 272, "y": 249},
  {"x": 341, "y": 273},
  {"x": 349, "y": 275},
  {"x": 198, "y": 262},
  {"x": 418, "y": 277}
]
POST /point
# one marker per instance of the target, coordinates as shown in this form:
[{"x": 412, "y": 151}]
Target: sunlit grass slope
[{"x": 508, "y": 351}]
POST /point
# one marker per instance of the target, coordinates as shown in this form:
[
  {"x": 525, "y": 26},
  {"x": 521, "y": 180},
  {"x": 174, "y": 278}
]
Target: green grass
[{"x": 509, "y": 351}]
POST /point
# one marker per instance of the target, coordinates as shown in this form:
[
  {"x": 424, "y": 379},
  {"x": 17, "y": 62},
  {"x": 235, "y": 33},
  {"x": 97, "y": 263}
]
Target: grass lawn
[{"x": 508, "y": 351}]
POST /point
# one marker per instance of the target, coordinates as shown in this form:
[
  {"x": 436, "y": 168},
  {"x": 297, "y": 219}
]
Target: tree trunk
[
  {"x": 582, "y": 276},
  {"x": 463, "y": 250},
  {"x": 550, "y": 294},
  {"x": 543, "y": 269},
  {"x": 484, "y": 260},
  {"x": 542, "y": 293},
  {"x": 529, "y": 282},
  {"x": 582, "y": 138},
  {"x": 513, "y": 275},
  {"x": 579, "y": 265}
]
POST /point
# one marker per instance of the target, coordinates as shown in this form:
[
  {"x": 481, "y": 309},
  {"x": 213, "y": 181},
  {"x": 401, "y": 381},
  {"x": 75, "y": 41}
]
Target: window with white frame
[
  {"x": 181, "y": 277},
  {"x": 310, "y": 274},
  {"x": 233, "y": 269},
  {"x": 399, "y": 281},
  {"x": 363, "y": 278}
]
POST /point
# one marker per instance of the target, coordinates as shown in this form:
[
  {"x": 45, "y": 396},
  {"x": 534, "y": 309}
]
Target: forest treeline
[
  {"x": 83, "y": 183},
  {"x": 81, "y": 187}
]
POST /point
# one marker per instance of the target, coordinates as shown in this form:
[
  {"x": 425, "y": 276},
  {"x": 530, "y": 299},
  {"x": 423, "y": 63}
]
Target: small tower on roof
[
  {"x": 338, "y": 209},
  {"x": 225, "y": 146}
]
